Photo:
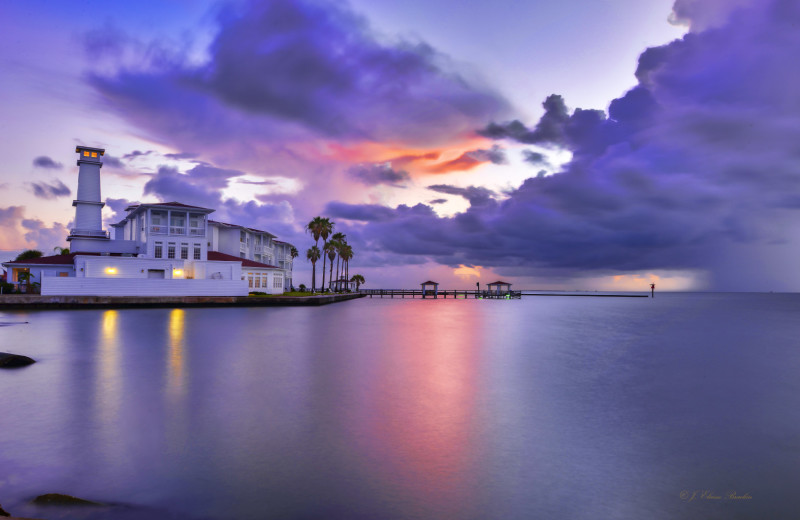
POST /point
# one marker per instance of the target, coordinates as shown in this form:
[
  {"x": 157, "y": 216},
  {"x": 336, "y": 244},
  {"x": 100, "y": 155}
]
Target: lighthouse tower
[{"x": 88, "y": 235}]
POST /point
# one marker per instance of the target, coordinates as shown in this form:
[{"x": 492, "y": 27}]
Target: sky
[{"x": 581, "y": 144}]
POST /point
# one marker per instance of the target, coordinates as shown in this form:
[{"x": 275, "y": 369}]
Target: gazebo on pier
[
  {"x": 497, "y": 289},
  {"x": 343, "y": 285},
  {"x": 430, "y": 286}
]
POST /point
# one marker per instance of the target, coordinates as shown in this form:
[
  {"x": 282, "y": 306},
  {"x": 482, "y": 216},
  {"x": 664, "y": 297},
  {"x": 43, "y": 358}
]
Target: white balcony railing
[
  {"x": 158, "y": 230},
  {"x": 197, "y": 232},
  {"x": 173, "y": 230}
]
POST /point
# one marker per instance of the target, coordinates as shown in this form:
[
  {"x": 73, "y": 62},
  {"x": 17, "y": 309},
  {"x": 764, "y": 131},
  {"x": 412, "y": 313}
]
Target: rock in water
[
  {"x": 14, "y": 360},
  {"x": 3, "y": 512},
  {"x": 56, "y": 499}
]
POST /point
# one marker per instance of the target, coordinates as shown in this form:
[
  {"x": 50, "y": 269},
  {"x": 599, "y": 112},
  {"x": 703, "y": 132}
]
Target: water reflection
[
  {"x": 176, "y": 342},
  {"x": 108, "y": 380},
  {"x": 425, "y": 404}
]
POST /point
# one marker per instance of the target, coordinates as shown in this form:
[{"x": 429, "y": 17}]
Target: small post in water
[{"x": 652, "y": 290}]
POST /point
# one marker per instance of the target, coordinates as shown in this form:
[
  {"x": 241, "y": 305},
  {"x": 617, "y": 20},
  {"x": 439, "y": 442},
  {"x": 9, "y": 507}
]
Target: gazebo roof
[
  {"x": 499, "y": 283},
  {"x": 429, "y": 282}
]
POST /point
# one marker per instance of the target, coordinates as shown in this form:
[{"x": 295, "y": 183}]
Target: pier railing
[{"x": 441, "y": 293}]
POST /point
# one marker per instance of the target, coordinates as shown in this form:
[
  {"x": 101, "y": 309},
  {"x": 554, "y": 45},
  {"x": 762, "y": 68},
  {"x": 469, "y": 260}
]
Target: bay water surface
[{"x": 681, "y": 406}]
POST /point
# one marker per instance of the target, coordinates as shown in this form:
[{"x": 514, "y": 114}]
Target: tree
[
  {"x": 325, "y": 230},
  {"x": 24, "y": 278},
  {"x": 28, "y": 255},
  {"x": 293, "y": 253},
  {"x": 346, "y": 254},
  {"x": 330, "y": 250},
  {"x": 312, "y": 255},
  {"x": 61, "y": 250},
  {"x": 340, "y": 239},
  {"x": 358, "y": 279},
  {"x": 315, "y": 228}
]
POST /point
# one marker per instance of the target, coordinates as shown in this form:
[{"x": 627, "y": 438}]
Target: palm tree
[
  {"x": 61, "y": 250},
  {"x": 330, "y": 250},
  {"x": 293, "y": 253},
  {"x": 358, "y": 279},
  {"x": 312, "y": 255},
  {"x": 325, "y": 230},
  {"x": 346, "y": 253},
  {"x": 340, "y": 239},
  {"x": 24, "y": 278},
  {"x": 315, "y": 228}
]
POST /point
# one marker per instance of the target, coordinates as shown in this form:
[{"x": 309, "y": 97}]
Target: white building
[{"x": 162, "y": 249}]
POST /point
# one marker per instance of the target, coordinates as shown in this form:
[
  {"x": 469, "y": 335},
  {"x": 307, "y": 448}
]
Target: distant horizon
[{"x": 599, "y": 144}]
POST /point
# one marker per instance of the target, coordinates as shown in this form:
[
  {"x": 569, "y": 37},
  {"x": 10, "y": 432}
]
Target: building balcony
[
  {"x": 197, "y": 232},
  {"x": 159, "y": 230}
]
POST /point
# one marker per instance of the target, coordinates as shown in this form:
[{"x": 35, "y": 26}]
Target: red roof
[
  {"x": 48, "y": 260},
  {"x": 222, "y": 257}
]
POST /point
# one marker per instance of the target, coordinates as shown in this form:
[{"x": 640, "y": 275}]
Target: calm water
[{"x": 544, "y": 408}]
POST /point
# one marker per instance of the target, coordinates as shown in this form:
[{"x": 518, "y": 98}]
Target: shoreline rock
[
  {"x": 14, "y": 360},
  {"x": 3, "y": 512}
]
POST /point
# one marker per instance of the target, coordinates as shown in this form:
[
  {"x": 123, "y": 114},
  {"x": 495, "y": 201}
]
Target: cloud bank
[{"x": 695, "y": 168}]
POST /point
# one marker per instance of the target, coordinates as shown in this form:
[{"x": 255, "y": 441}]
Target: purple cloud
[
  {"x": 44, "y": 161},
  {"x": 373, "y": 174},
  {"x": 202, "y": 186},
  {"x": 50, "y": 191},
  {"x": 695, "y": 169},
  {"x": 283, "y": 69}
]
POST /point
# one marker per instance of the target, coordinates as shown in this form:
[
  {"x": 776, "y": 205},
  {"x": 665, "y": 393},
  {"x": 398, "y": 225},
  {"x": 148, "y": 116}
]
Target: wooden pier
[
  {"x": 474, "y": 294},
  {"x": 443, "y": 293}
]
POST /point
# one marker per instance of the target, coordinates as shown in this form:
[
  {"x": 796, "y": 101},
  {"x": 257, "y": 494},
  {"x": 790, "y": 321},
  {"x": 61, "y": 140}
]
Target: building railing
[
  {"x": 89, "y": 232},
  {"x": 197, "y": 232},
  {"x": 159, "y": 230},
  {"x": 173, "y": 230}
]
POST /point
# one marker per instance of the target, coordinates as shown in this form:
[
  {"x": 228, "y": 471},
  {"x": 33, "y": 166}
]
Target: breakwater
[{"x": 37, "y": 301}]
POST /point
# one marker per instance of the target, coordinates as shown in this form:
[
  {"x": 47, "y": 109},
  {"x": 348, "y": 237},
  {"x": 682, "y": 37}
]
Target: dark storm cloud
[
  {"x": 534, "y": 158},
  {"x": 50, "y": 191},
  {"x": 476, "y": 195},
  {"x": 44, "y": 161},
  {"x": 437, "y": 201},
  {"x": 362, "y": 212},
  {"x": 695, "y": 168},
  {"x": 302, "y": 65},
  {"x": 374, "y": 174}
]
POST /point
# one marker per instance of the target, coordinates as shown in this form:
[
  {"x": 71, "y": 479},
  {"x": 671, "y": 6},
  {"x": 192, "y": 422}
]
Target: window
[
  {"x": 86, "y": 153},
  {"x": 171, "y": 250},
  {"x": 241, "y": 255},
  {"x": 63, "y": 273},
  {"x": 184, "y": 251},
  {"x": 156, "y": 217},
  {"x": 159, "y": 250},
  {"x": 94, "y": 154},
  {"x": 242, "y": 236},
  {"x": 197, "y": 251},
  {"x": 277, "y": 282},
  {"x": 250, "y": 280},
  {"x": 258, "y": 282}
]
